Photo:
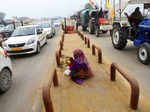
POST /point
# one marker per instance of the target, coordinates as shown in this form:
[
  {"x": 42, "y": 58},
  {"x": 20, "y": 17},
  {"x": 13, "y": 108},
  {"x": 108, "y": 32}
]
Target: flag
[
  {"x": 92, "y": 3},
  {"x": 112, "y": 13},
  {"x": 107, "y": 4}
]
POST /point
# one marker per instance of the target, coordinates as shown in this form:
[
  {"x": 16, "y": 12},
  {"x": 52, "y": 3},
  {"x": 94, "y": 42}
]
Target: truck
[
  {"x": 94, "y": 20},
  {"x": 83, "y": 16}
]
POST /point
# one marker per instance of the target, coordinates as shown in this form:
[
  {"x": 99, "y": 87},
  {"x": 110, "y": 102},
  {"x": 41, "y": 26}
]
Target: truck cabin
[
  {"x": 93, "y": 13},
  {"x": 99, "y": 14}
]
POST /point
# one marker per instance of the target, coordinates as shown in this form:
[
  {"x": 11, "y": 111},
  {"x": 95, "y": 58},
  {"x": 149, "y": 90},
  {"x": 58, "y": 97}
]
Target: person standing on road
[
  {"x": 62, "y": 24},
  {"x": 77, "y": 24}
]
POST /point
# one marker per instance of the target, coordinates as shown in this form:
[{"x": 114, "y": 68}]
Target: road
[
  {"x": 127, "y": 59},
  {"x": 28, "y": 74}
]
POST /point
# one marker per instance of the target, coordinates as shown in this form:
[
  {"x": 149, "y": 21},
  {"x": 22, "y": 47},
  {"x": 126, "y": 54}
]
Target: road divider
[{"x": 134, "y": 98}]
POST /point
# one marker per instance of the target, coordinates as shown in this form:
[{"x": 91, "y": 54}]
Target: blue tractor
[{"x": 140, "y": 35}]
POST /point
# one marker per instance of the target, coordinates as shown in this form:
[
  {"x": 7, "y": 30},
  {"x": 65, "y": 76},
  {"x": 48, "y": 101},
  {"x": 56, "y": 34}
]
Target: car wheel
[
  {"x": 49, "y": 36},
  {"x": 45, "y": 41},
  {"x": 38, "y": 48},
  {"x": 118, "y": 40},
  {"x": 5, "y": 80},
  {"x": 54, "y": 34},
  {"x": 143, "y": 53}
]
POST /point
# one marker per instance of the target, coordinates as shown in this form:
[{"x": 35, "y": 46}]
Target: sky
[{"x": 42, "y": 8}]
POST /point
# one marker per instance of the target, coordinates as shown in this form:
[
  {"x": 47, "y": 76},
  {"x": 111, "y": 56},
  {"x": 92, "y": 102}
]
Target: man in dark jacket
[
  {"x": 100, "y": 14},
  {"x": 135, "y": 18}
]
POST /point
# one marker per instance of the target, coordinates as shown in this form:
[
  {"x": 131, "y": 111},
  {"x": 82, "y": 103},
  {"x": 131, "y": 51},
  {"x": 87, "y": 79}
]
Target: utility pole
[
  {"x": 120, "y": 7},
  {"x": 114, "y": 5},
  {"x": 100, "y": 3}
]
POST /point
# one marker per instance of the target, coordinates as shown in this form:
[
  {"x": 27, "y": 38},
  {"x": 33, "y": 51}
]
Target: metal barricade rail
[{"x": 133, "y": 83}]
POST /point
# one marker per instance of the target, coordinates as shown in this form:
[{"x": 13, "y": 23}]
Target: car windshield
[
  {"x": 24, "y": 31},
  {"x": 45, "y": 25}
]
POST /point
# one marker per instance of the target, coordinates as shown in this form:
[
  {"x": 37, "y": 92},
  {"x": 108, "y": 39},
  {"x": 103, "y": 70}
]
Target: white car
[
  {"x": 49, "y": 29},
  {"x": 25, "y": 40},
  {"x": 5, "y": 71}
]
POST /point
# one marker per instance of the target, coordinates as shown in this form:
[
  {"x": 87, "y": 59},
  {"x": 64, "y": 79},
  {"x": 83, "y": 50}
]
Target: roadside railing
[
  {"x": 114, "y": 67},
  {"x": 47, "y": 93},
  {"x": 133, "y": 84}
]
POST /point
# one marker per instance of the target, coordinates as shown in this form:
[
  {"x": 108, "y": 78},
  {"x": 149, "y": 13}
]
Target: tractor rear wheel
[
  {"x": 119, "y": 41},
  {"x": 91, "y": 27},
  {"x": 84, "y": 28}
]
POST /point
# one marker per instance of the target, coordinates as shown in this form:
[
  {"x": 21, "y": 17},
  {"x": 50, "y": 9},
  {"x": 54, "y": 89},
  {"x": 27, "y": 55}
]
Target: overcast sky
[{"x": 41, "y": 8}]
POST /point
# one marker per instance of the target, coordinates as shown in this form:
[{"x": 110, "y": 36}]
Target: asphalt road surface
[
  {"x": 28, "y": 74},
  {"x": 127, "y": 59}
]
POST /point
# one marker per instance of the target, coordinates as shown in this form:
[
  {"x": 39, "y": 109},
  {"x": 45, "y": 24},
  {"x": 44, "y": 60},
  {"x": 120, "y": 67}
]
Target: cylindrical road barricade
[
  {"x": 99, "y": 56},
  {"x": 133, "y": 83},
  {"x": 93, "y": 50},
  {"x": 55, "y": 78},
  {"x": 85, "y": 40},
  {"x": 63, "y": 37},
  {"x": 61, "y": 45},
  {"x": 47, "y": 99},
  {"x": 57, "y": 59},
  {"x": 60, "y": 54},
  {"x": 88, "y": 44}
]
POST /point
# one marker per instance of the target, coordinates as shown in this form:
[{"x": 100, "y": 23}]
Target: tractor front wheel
[{"x": 143, "y": 53}]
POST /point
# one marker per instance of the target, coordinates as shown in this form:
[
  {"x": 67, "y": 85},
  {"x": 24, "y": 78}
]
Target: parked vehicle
[
  {"x": 124, "y": 31},
  {"x": 49, "y": 29},
  {"x": 26, "y": 40},
  {"x": 99, "y": 22},
  {"x": 83, "y": 16},
  {"x": 5, "y": 71},
  {"x": 7, "y": 30},
  {"x": 84, "y": 20},
  {"x": 94, "y": 20}
]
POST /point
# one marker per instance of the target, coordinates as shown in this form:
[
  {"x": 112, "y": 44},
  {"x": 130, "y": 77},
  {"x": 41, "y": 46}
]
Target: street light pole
[
  {"x": 101, "y": 3},
  {"x": 114, "y": 5}
]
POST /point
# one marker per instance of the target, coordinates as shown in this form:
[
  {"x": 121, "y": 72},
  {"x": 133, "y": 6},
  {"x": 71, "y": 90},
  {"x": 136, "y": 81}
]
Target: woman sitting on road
[{"x": 79, "y": 67}]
